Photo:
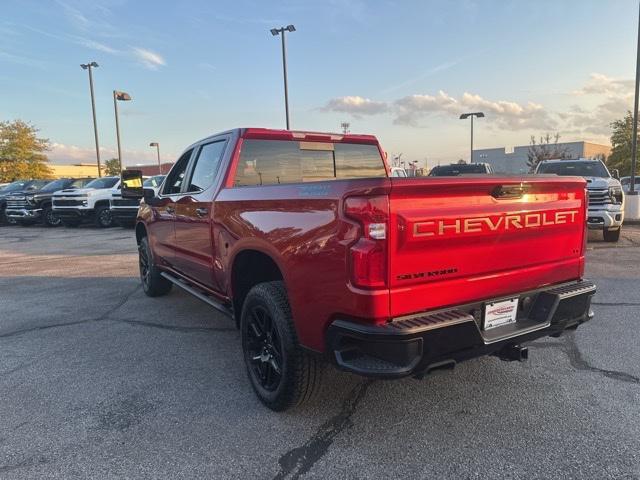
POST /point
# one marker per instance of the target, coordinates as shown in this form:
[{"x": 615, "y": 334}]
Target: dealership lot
[{"x": 98, "y": 380}]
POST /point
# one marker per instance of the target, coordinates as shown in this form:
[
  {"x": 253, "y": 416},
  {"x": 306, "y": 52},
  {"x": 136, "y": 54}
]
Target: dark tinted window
[
  {"x": 82, "y": 182},
  {"x": 104, "y": 182},
  {"x": 56, "y": 185},
  {"x": 154, "y": 181},
  {"x": 176, "y": 176},
  {"x": 578, "y": 169},
  {"x": 457, "y": 169},
  {"x": 206, "y": 166},
  {"x": 270, "y": 162}
]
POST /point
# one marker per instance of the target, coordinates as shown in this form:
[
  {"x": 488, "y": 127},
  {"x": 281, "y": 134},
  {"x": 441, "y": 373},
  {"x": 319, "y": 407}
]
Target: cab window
[{"x": 175, "y": 178}]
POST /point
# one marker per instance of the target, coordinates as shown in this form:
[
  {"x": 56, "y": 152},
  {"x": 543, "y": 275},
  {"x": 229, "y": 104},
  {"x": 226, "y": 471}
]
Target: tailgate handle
[{"x": 504, "y": 192}]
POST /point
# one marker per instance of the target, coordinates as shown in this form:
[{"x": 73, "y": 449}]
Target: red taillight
[{"x": 369, "y": 253}]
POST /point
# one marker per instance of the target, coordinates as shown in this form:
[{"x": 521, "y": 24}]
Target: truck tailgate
[{"x": 464, "y": 239}]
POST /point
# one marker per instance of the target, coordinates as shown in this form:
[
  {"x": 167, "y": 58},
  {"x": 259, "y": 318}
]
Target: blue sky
[{"x": 402, "y": 70}]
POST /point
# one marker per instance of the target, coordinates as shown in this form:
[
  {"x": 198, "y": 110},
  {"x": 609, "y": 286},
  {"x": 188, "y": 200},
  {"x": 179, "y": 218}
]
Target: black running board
[{"x": 200, "y": 295}]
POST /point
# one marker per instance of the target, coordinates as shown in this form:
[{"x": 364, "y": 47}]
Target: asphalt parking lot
[{"x": 97, "y": 380}]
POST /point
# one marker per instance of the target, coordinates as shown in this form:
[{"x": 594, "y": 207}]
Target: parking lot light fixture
[
  {"x": 122, "y": 97},
  {"x": 464, "y": 116},
  {"x": 281, "y": 31},
  {"x": 89, "y": 66},
  {"x": 157, "y": 145}
]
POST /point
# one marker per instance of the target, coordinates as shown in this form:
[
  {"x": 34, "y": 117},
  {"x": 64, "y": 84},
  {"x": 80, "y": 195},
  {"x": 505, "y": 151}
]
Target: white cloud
[
  {"x": 101, "y": 47},
  {"x": 600, "y": 84},
  {"x": 508, "y": 115},
  {"x": 356, "y": 106},
  {"x": 614, "y": 96},
  {"x": 149, "y": 59},
  {"x": 66, "y": 154}
]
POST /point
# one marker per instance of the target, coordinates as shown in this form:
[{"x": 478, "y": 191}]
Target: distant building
[
  {"x": 151, "y": 169},
  {"x": 78, "y": 170},
  {"x": 515, "y": 161}
]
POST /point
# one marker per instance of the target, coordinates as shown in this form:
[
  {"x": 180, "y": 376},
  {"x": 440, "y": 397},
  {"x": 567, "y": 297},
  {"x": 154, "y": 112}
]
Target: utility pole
[
  {"x": 345, "y": 127},
  {"x": 280, "y": 31},
  {"x": 89, "y": 66},
  {"x": 634, "y": 140}
]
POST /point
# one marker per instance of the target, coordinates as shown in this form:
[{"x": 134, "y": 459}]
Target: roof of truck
[{"x": 269, "y": 133}]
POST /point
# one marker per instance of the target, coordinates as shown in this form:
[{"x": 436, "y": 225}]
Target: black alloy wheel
[
  {"x": 50, "y": 218},
  {"x": 104, "y": 219},
  {"x": 264, "y": 349}
]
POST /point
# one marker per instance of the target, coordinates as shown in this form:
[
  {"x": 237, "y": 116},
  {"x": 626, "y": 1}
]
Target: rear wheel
[
  {"x": 49, "y": 218},
  {"x": 153, "y": 283},
  {"x": 281, "y": 373},
  {"x": 104, "y": 219},
  {"x": 612, "y": 235}
]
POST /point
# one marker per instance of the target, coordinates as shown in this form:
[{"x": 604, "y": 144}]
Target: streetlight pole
[
  {"x": 89, "y": 66},
  {"x": 280, "y": 31},
  {"x": 634, "y": 140},
  {"x": 157, "y": 145},
  {"x": 465, "y": 116},
  {"x": 123, "y": 97}
]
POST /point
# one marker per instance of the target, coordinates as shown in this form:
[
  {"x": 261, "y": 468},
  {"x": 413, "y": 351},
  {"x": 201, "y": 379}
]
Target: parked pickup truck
[
  {"x": 125, "y": 210},
  {"x": 88, "y": 204},
  {"x": 32, "y": 207},
  {"x": 317, "y": 253},
  {"x": 606, "y": 198}
]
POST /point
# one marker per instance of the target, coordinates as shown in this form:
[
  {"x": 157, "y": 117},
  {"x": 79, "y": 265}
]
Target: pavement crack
[
  {"x": 105, "y": 315},
  {"x": 299, "y": 460},
  {"x": 577, "y": 361}
]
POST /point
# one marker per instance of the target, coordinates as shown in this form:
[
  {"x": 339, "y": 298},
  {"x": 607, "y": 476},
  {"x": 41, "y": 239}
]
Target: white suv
[
  {"x": 606, "y": 199},
  {"x": 89, "y": 204}
]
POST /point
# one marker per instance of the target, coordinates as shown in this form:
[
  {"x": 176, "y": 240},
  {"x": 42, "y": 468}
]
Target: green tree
[
  {"x": 112, "y": 167},
  {"x": 22, "y": 153},
  {"x": 621, "y": 136},
  {"x": 547, "y": 148}
]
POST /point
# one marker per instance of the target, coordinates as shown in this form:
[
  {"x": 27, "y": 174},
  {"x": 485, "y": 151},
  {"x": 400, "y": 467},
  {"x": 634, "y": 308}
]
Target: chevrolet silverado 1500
[{"x": 317, "y": 253}]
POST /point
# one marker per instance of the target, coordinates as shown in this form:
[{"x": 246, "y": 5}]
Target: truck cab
[{"x": 606, "y": 197}]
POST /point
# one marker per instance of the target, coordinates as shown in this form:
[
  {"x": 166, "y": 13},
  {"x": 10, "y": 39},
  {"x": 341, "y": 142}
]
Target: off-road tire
[
  {"x": 301, "y": 372},
  {"x": 153, "y": 283},
  {"x": 103, "y": 217},
  {"x": 49, "y": 219},
  {"x": 612, "y": 235}
]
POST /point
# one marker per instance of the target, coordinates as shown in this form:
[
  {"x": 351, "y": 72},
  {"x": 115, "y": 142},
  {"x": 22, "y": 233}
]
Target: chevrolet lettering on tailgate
[{"x": 492, "y": 223}]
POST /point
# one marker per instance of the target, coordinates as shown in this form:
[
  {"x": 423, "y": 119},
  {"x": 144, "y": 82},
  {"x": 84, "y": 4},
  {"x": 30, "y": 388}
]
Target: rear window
[
  {"x": 457, "y": 169},
  {"x": 579, "y": 169},
  {"x": 272, "y": 162}
]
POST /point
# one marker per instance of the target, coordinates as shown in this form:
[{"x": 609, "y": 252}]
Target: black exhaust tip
[{"x": 513, "y": 353}]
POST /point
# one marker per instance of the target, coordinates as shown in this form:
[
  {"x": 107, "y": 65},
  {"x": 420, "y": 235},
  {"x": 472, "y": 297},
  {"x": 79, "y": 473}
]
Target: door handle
[
  {"x": 169, "y": 209},
  {"x": 201, "y": 212}
]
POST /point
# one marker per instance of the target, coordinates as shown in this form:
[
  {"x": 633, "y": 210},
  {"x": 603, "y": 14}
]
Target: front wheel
[
  {"x": 50, "y": 218},
  {"x": 104, "y": 219},
  {"x": 612, "y": 235},
  {"x": 153, "y": 283},
  {"x": 281, "y": 373}
]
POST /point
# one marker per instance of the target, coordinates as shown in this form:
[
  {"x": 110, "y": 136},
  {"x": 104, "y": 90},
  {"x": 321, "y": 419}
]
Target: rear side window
[
  {"x": 175, "y": 178},
  {"x": 206, "y": 166},
  {"x": 272, "y": 162}
]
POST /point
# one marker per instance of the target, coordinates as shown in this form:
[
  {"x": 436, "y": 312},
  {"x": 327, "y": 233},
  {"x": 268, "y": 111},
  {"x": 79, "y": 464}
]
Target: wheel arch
[{"x": 250, "y": 267}]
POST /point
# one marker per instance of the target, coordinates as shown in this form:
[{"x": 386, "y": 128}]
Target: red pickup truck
[{"x": 317, "y": 253}]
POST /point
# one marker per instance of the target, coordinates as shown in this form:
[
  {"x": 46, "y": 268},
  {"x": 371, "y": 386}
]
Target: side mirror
[
  {"x": 131, "y": 181},
  {"x": 615, "y": 173}
]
